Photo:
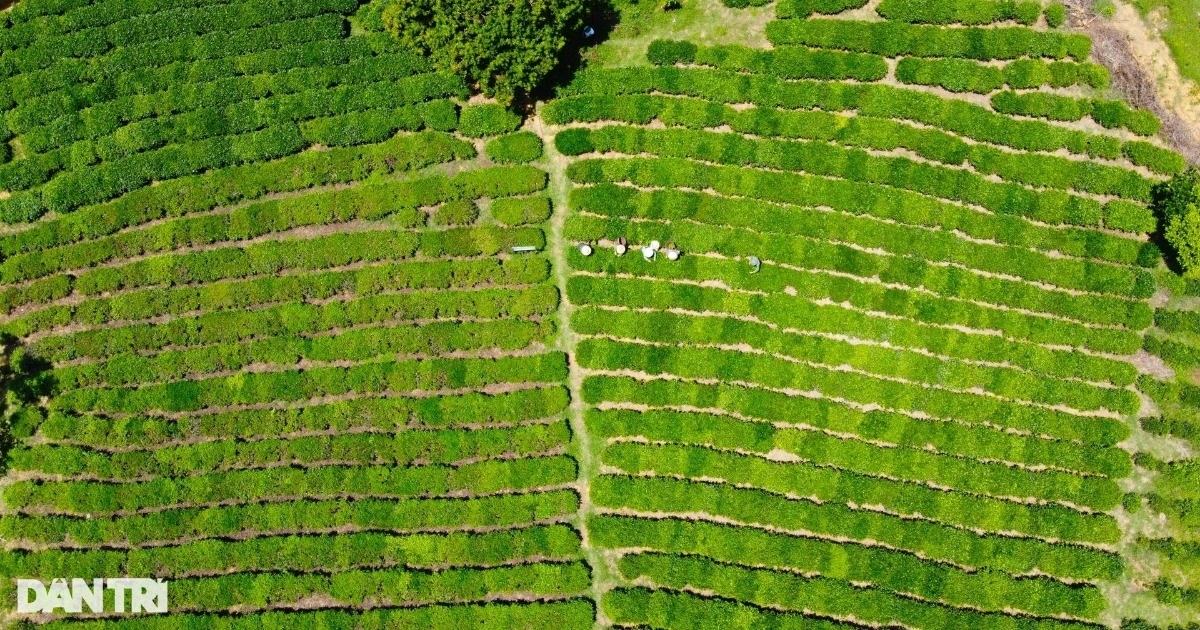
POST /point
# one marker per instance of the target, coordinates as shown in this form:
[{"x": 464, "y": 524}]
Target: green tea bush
[
  {"x": 645, "y": 293},
  {"x": 521, "y": 210},
  {"x": 968, "y": 12},
  {"x": 358, "y": 345},
  {"x": 791, "y": 222},
  {"x": 400, "y": 199},
  {"x": 955, "y": 75},
  {"x": 803, "y": 8},
  {"x": 884, "y": 362},
  {"x": 1110, "y": 114},
  {"x": 1056, "y": 14},
  {"x": 1034, "y": 73},
  {"x": 223, "y": 186},
  {"x": 892, "y": 39},
  {"x": 827, "y": 159},
  {"x": 573, "y": 142},
  {"x": 770, "y": 372},
  {"x": 666, "y": 52},
  {"x": 973, "y": 442},
  {"x": 440, "y": 446},
  {"x": 926, "y": 311},
  {"x": 519, "y": 147},
  {"x": 251, "y": 485},
  {"x": 1114, "y": 114},
  {"x": 397, "y": 586},
  {"x": 960, "y": 75},
  {"x": 749, "y": 505},
  {"x": 957, "y": 116},
  {"x": 791, "y": 62},
  {"x": 317, "y": 551},
  {"x": 217, "y": 297},
  {"x": 458, "y": 212},
  {"x": 572, "y": 613},
  {"x": 183, "y": 95},
  {"x": 818, "y": 479},
  {"x": 381, "y": 414},
  {"x": 489, "y": 119},
  {"x": 779, "y": 600},
  {"x": 751, "y": 546},
  {"x": 1153, "y": 157}
]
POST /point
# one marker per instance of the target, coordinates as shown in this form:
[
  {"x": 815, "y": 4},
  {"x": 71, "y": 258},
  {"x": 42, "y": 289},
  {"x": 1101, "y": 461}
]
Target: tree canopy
[
  {"x": 507, "y": 47},
  {"x": 1178, "y": 204}
]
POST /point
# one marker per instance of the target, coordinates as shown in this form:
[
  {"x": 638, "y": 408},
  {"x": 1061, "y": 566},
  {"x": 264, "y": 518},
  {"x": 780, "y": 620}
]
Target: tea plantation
[{"x": 295, "y": 322}]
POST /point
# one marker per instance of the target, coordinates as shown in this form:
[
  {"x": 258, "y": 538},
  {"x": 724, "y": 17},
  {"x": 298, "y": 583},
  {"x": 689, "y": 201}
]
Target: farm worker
[{"x": 621, "y": 247}]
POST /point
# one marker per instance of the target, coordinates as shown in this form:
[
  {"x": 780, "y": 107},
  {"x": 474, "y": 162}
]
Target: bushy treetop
[
  {"x": 1178, "y": 204},
  {"x": 505, "y": 46}
]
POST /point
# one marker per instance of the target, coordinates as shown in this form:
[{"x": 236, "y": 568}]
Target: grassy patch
[
  {"x": 1179, "y": 23},
  {"x": 704, "y": 22}
]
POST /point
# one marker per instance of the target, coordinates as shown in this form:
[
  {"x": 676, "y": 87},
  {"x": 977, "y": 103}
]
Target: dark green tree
[
  {"x": 507, "y": 47},
  {"x": 1177, "y": 203}
]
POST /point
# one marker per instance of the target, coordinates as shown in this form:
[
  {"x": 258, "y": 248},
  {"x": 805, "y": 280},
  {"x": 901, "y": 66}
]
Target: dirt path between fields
[{"x": 1143, "y": 71}]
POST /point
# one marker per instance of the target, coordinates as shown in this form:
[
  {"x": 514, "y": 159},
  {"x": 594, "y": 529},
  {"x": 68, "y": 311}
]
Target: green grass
[
  {"x": 1181, "y": 32},
  {"x": 704, "y": 22}
]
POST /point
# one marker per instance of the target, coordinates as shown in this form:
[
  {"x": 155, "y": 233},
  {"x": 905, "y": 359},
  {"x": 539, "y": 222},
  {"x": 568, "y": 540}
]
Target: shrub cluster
[
  {"x": 823, "y": 352},
  {"x": 443, "y": 446},
  {"x": 903, "y": 574},
  {"x": 862, "y": 293},
  {"x": 356, "y": 345},
  {"x": 398, "y": 376},
  {"x": 776, "y": 373},
  {"x": 489, "y": 119},
  {"x": 867, "y": 200},
  {"x": 386, "y": 414},
  {"x": 968, "y": 12},
  {"x": 1110, "y": 114},
  {"x": 199, "y": 193},
  {"x": 791, "y": 312},
  {"x": 457, "y": 212},
  {"x": 938, "y": 542},
  {"x": 519, "y": 147},
  {"x": 704, "y": 441},
  {"x": 892, "y": 39},
  {"x": 881, "y": 101},
  {"x": 228, "y": 88},
  {"x": 521, "y": 210},
  {"x": 251, "y": 485},
  {"x": 789, "y": 62},
  {"x": 962, "y": 75},
  {"x": 898, "y": 172},
  {"x": 369, "y": 202},
  {"x": 203, "y": 525},
  {"x": 803, "y": 8}
]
